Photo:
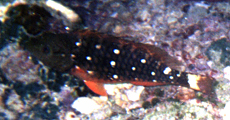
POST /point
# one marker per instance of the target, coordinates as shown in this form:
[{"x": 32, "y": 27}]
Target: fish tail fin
[{"x": 201, "y": 83}]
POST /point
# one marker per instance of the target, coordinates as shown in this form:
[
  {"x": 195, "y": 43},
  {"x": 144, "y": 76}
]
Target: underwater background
[{"x": 35, "y": 83}]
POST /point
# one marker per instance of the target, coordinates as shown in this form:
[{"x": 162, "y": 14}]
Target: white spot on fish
[
  {"x": 88, "y": 58},
  {"x": 133, "y": 68},
  {"x": 153, "y": 73},
  {"x": 167, "y": 70},
  {"x": 90, "y": 72},
  {"x": 178, "y": 75},
  {"x": 112, "y": 63},
  {"x": 73, "y": 56},
  {"x": 115, "y": 76},
  {"x": 116, "y": 51},
  {"x": 78, "y": 44},
  {"x": 98, "y": 46},
  {"x": 143, "y": 61},
  {"x": 77, "y": 67}
]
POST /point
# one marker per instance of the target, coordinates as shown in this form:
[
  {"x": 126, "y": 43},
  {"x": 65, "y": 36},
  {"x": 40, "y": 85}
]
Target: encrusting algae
[{"x": 97, "y": 58}]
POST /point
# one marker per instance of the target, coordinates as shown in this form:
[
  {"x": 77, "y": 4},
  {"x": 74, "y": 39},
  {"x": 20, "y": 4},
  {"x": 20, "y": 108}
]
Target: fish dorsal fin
[{"x": 162, "y": 56}]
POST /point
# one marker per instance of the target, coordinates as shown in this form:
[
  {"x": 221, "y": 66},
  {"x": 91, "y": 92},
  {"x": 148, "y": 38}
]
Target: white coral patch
[
  {"x": 3, "y": 11},
  {"x": 131, "y": 91},
  {"x": 67, "y": 12},
  {"x": 134, "y": 93},
  {"x": 227, "y": 72},
  {"x": 86, "y": 105},
  {"x": 225, "y": 111}
]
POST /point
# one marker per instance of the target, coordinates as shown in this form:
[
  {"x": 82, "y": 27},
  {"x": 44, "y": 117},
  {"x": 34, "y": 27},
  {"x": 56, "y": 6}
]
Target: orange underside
[
  {"x": 98, "y": 87},
  {"x": 147, "y": 83}
]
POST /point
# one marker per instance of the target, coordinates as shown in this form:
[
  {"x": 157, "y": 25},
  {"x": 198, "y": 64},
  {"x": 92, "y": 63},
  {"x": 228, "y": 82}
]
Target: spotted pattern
[{"x": 111, "y": 61}]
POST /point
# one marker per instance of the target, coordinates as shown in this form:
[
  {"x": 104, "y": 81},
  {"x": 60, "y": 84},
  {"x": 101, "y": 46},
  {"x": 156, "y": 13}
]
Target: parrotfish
[{"x": 98, "y": 58}]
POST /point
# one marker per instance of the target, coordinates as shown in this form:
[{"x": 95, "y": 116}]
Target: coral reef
[
  {"x": 193, "y": 31},
  {"x": 22, "y": 69}
]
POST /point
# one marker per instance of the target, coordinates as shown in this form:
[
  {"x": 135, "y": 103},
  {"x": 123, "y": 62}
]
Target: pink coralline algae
[
  {"x": 185, "y": 29},
  {"x": 17, "y": 65}
]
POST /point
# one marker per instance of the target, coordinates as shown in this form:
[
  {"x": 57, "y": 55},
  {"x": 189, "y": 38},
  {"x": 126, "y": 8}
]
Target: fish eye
[{"x": 46, "y": 49}]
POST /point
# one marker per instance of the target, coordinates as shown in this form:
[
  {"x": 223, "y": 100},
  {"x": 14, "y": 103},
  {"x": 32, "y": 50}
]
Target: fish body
[{"x": 99, "y": 58}]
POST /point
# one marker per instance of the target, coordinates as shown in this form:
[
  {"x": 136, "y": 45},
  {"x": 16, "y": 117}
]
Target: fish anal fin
[
  {"x": 96, "y": 87},
  {"x": 91, "y": 82}
]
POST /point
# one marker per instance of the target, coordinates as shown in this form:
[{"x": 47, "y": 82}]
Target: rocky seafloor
[{"x": 193, "y": 31}]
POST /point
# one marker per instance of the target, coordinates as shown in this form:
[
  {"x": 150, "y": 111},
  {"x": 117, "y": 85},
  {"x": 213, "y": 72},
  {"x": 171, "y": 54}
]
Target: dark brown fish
[{"x": 99, "y": 58}]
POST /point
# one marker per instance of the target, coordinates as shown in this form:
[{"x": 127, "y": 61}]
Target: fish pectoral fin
[{"x": 96, "y": 87}]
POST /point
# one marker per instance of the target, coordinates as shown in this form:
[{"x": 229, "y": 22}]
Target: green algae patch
[{"x": 176, "y": 110}]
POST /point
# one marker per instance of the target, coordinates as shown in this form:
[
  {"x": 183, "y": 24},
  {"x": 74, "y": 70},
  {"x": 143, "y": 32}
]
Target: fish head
[{"x": 51, "y": 49}]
